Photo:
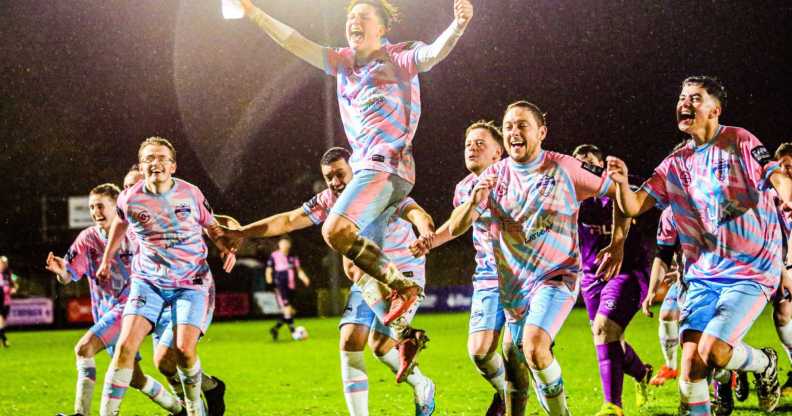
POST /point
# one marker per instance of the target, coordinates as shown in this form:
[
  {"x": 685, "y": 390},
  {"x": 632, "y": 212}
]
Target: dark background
[{"x": 82, "y": 83}]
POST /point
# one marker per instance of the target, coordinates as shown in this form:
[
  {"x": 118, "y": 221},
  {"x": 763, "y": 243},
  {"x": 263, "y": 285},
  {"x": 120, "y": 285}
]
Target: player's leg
[
  {"x": 550, "y": 305},
  {"x": 143, "y": 307},
  {"x": 85, "y": 351},
  {"x": 693, "y": 387},
  {"x": 4, "y": 310},
  {"x": 191, "y": 316},
  {"x": 668, "y": 332},
  {"x": 721, "y": 346},
  {"x": 355, "y": 229},
  {"x": 486, "y": 321},
  {"x": 154, "y": 390},
  {"x": 354, "y": 331},
  {"x": 782, "y": 318},
  {"x": 518, "y": 375}
]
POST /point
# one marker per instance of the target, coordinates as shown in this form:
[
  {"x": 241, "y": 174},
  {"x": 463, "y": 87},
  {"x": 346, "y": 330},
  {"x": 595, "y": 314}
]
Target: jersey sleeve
[
  {"x": 489, "y": 201},
  {"x": 336, "y": 59},
  {"x": 461, "y": 194},
  {"x": 77, "y": 258},
  {"x": 318, "y": 207},
  {"x": 666, "y": 229},
  {"x": 655, "y": 186},
  {"x": 589, "y": 180},
  {"x": 205, "y": 212},
  {"x": 404, "y": 56},
  {"x": 758, "y": 161},
  {"x": 406, "y": 203},
  {"x": 122, "y": 205}
]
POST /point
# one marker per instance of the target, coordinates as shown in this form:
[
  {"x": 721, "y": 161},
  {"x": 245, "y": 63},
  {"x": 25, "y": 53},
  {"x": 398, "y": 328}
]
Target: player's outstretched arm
[
  {"x": 421, "y": 219},
  {"x": 268, "y": 275},
  {"x": 466, "y": 214},
  {"x": 303, "y": 277},
  {"x": 442, "y": 235},
  {"x": 285, "y": 36},
  {"x": 114, "y": 238},
  {"x": 430, "y": 55},
  {"x": 57, "y": 265},
  {"x": 631, "y": 204},
  {"x": 277, "y": 224}
]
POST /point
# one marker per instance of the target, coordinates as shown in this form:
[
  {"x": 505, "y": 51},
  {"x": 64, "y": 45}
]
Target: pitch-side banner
[
  {"x": 79, "y": 214},
  {"x": 32, "y": 311},
  {"x": 447, "y": 299}
]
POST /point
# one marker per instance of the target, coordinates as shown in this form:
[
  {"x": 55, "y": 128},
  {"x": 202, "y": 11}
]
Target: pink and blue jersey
[
  {"x": 284, "y": 268},
  {"x": 727, "y": 223},
  {"x": 534, "y": 208},
  {"x": 486, "y": 274},
  {"x": 398, "y": 235},
  {"x": 666, "y": 229},
  {"x": 169, "y": 229},
  {"x": 380, "y": 105},
  {"x": 83, "y": 260}
]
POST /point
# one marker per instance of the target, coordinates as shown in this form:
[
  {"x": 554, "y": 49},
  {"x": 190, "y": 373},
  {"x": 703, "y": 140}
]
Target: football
[{"x": 300, "y": 334}]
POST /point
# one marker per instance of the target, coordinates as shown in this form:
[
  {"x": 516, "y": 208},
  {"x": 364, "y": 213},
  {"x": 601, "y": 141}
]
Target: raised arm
[
  {"x": 421, "y": 219},
  {"x": 277, "y": 224},
  {"x": 631, "y": 204},
  {"x": 430, "y": 55},
  {"x": 466, "y": 214},
  {"x": 285, "y": 36},
  {"x": 114, "y": 238}
]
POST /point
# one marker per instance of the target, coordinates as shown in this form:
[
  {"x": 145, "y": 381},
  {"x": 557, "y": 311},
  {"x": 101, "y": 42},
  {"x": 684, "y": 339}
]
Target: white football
[{"x": 300, "y": 334}]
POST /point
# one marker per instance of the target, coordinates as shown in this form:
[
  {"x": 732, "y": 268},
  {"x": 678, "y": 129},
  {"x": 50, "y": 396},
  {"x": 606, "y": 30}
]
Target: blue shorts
[
  {"x": 358, "y": 312},
  {"x": 549, "y": 306},
  {"x": 671, "y": 301},
  {"x": 486, "y": 312},
  {"x": 369, "y": 200},
  {"x": 185, "y": 306},
  {"x": 108, "y": 329},
  {"x": 163, "y": 330},
  {"x": 723, "y": 310}
]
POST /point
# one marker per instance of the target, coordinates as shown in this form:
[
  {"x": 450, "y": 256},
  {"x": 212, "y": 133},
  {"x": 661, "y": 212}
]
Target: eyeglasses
[{"x": 151, "y": 159}]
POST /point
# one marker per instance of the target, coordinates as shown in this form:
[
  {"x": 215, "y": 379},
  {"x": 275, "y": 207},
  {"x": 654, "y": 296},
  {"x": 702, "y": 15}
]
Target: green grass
[{"x": 302, "y": 378}]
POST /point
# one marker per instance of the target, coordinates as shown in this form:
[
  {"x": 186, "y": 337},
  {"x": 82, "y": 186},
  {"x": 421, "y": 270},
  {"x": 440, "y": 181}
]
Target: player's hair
[
  {"x": 585, "y": 149},
  {"x": 134, "y": 168},
  {"x": 333, "y": 154},
  {"x": 387, "y": 12},
  {"x": 490, "y": 126},
  {"x": 539, "y": 115},
  {"x": 785, "y": 149},
  {"x": 4, "y": 259},
  {"x": 160, "y": 141},
  {"x": 107, "y": 189},
  {"x": 712, "y": 85}
]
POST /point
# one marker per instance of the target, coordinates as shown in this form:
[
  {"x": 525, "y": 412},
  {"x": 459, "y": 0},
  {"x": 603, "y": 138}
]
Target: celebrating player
[
  {"x": 380, "y": 101},
  {"x": 612, "y": 303},
  {"x": 8, "y": 286},
  {"x": 285, "y": 268},
  {"x": 534, "y": 197},
  {"x": 482, "y": 149},
  {"x": 167, "y": 216},
  {"x": 730, "y": 236},
  {"x": 108, "y": 298},
  {"x": 367, "y": 304}
]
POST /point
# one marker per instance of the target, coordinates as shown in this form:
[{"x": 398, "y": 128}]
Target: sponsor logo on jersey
[
  {"x": 597, "y": 170},
  {"x": 761, "y": 155}
]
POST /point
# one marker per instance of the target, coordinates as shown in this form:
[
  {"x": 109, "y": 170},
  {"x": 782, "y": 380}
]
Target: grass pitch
[{"x": 303, "y": 378}]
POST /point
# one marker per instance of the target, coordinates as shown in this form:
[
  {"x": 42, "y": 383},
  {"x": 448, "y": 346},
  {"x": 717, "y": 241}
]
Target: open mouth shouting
[
  {"x": 685, "y": 117},
  {"x": 517, "y": 143},
  {"x": 356, "y": 34}
]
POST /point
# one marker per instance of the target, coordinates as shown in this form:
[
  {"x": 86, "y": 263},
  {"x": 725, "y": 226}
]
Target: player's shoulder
[
  {"x": 323, "y": 199},
  {"x": 88, "y": 234},
  {"x": 568, "y": 162},
  {"x": 133, "y": 190},
  {"x": 402, "y": 46},
  {"x": 466, "y": 181}
]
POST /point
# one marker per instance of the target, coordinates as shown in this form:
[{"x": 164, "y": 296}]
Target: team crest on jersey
[
  {"x": 685, "y": 178},
  {"x": 183, "y": 211},
  {"x": 722, "y": 170},
  {"x": 546, "y": 185},
  {"x": 143, "y": 216}
]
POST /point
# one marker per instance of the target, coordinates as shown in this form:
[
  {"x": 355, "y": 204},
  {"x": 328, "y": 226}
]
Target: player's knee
[
  {"x": 166, "y": 364},
  {"x": 714, "y": 354},
  {"x": 337, "y": 236},
  {"x": 84, "y": 350},
  {"x": 537, "y": 356},
  {"x": 782, "y": 316},
  {"x": 125, "y": 352},
  {"x": 669, "y": 315}
]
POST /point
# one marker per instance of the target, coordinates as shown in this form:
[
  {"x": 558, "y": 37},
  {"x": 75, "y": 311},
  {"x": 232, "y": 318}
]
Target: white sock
[
  {"x": 391, "y": 360},
  {"x": 747, "y": 358},
  {"x": 492, "y": 369},
  {"x": 669, "y": 341},
  {"x": 86, "y": 379},
  {"x": 552, "y": 387},
  {"x": 191, "y": 382},
  {"x": 154, "y": 390},
  {"x": 115, "y": 385},
  {"x": 695, "y": 394},
  {"x": 355, "y": 380},
  {"x": 785, "y": 335}
]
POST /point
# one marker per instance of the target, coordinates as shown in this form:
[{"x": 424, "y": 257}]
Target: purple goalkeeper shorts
[{"x": 618, "y": 299}]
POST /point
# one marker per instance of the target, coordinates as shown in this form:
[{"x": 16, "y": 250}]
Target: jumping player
[
  {"x": 167, "y": 217},
  {"x": 380, "y": 101},
  {"x": 108, "y": 298},
  {"x": 612, "y": 303},
  {"x": 282, "y": 268},
  {"x": 534, "y": 197},
  {"x": 366, "y": 305},
  {"x": 482, "y": 149},
  {"x": 729, "y": 233}
]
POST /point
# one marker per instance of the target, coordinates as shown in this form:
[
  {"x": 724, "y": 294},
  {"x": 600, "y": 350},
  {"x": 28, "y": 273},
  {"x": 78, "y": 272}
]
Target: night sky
[{"x": 82, "y": 83}]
